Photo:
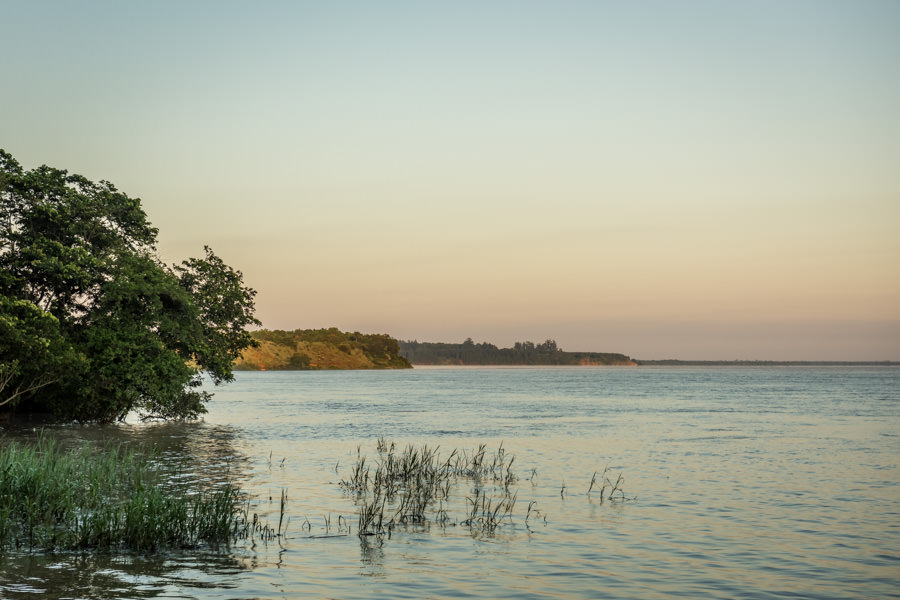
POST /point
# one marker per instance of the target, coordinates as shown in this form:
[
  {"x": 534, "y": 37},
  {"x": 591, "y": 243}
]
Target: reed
[
  {"x": 106, "y": 499},
  {"x": 616, "y": 493},
  {"x": 112, "y": 498},
  {"x": 410, "y": 487},
  {"x": 413, "y": 487}
]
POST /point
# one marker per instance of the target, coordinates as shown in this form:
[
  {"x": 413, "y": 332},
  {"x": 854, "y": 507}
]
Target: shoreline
[{"x": 766, "y": 363}]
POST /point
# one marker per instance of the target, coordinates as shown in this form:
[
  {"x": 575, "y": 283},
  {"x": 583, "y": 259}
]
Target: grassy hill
[{"x": 309, "y": 349}]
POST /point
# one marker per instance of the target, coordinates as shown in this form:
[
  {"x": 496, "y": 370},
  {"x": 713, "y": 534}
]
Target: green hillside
[{"x": 310, "y": 349}]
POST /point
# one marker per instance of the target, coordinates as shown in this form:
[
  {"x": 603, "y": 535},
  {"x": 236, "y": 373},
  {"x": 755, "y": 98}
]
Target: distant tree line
[{"x": 521, "y": 353}]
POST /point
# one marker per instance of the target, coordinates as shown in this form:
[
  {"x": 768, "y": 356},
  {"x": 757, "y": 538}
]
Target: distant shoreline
[
  {"x": 766, "y": 363},
  {"x": 318, "y": 349},
  {"x": 676, "y": 363}
]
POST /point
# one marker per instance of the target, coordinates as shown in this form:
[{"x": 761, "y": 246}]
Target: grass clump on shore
[{"x": 104, "y": 499}]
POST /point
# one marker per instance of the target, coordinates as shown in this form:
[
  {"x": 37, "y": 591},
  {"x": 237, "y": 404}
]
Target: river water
[{"x": 739, "y": 483}]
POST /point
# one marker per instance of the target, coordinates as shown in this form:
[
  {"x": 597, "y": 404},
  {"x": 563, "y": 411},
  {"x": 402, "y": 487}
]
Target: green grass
[
  {"x": 411, "y": 486},
  {"x": 113, "y": 499},
  {"x": 107, "y": 499}
]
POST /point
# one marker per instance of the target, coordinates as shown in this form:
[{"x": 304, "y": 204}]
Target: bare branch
[{"x": 35, "y": 384}]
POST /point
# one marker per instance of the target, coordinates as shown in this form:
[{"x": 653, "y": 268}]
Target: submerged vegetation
[
  {"x": 307, "y": 349},
  {"x": 414, "y": 487},
  {"x": 116, "y": 499},
  {"x": 405, "y": 487},
  {"x": 106, "y": 499}
]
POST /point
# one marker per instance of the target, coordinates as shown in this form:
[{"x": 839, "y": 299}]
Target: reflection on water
[
  {"x": 115, "y": 577},
  {"x": 372, "y": 556},
  {"x": 180, "y": 446},
  {"x": 749, "y": 482}
]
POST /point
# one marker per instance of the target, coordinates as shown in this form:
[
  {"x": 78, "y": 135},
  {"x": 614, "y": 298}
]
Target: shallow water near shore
[{"x": 751, "y": 482}]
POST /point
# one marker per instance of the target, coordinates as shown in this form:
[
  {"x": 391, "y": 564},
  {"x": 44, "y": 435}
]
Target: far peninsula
[{"x": 318, "y": 349}]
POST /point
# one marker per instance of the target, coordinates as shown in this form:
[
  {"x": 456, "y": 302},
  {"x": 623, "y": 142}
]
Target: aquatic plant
[
  {"x": 410, "y": 487},
  {"x": 413, "y": 487},
  {"x": 614, "y": 487},
  {"x": 104, "y": 498}
]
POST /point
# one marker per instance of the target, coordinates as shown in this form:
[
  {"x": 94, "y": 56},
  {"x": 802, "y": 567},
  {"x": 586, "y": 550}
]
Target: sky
[{"x": 695, "y": 180}]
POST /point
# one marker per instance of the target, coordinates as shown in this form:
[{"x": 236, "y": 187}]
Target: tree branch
[{"x": 34, "y": 384}]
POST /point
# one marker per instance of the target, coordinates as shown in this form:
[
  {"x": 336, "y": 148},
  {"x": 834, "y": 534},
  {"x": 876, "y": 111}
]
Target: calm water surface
[{"x": 745, "y": 483}]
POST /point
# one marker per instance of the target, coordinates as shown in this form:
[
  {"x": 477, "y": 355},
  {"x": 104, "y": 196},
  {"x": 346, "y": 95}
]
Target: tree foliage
[
  {"x": 522, "y": 353},
  {"x": 33, "y": 353},
  {"x": 92, "y": 324}
]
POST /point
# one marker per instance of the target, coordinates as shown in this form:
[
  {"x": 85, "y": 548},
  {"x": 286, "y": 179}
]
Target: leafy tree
[
  {"x": 548, "y": 346},
  {"x": 92, "y": 324},
  {"x": 33, "y": 353},
  {"x": 223, "y": 301}
]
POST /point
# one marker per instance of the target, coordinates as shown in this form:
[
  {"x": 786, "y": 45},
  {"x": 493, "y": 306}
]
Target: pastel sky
[{"x": 697, "y": 179}]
